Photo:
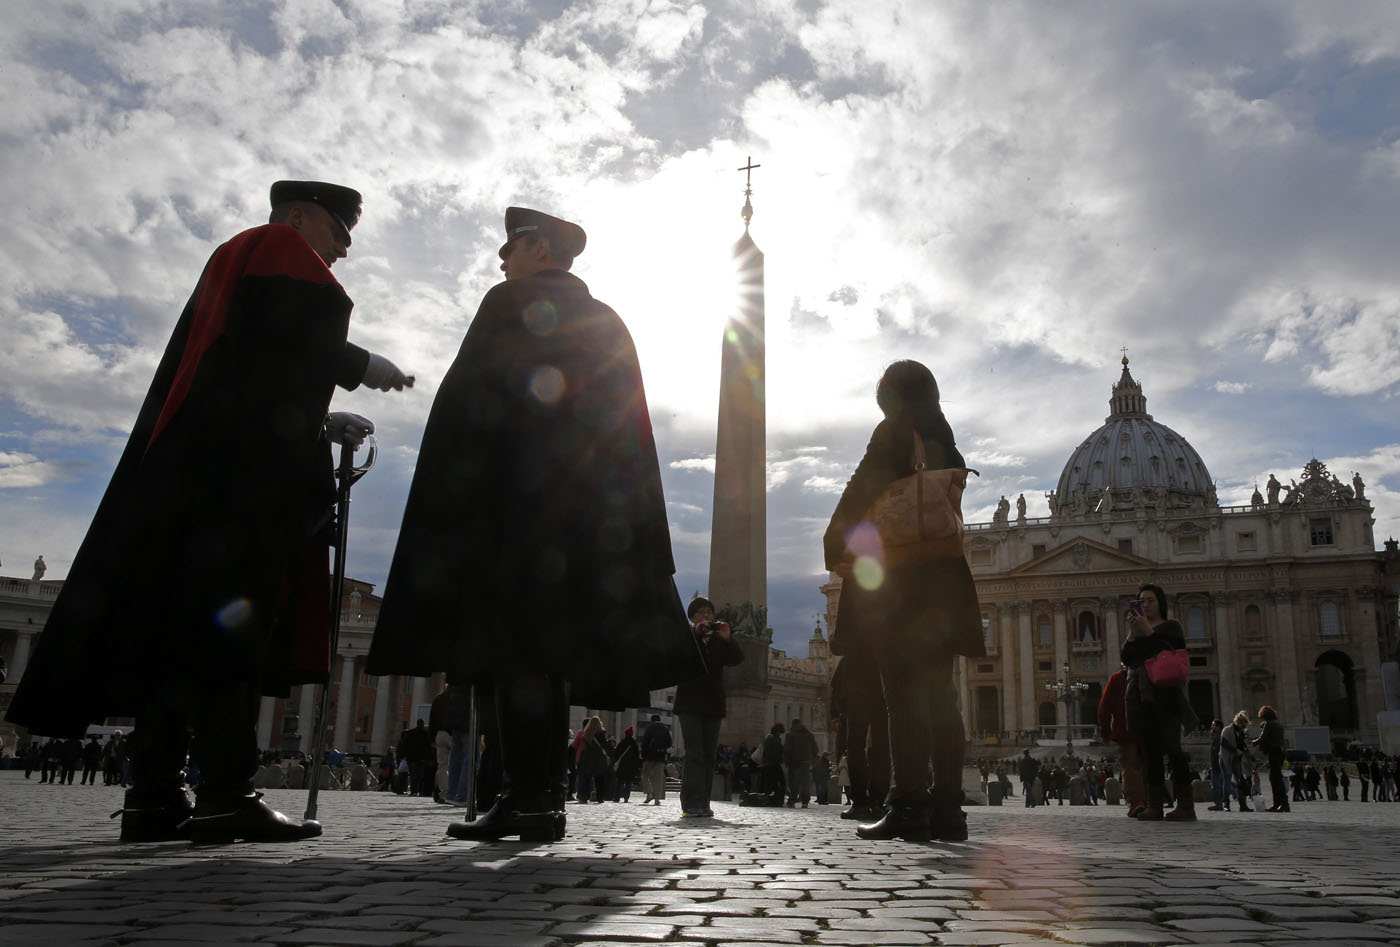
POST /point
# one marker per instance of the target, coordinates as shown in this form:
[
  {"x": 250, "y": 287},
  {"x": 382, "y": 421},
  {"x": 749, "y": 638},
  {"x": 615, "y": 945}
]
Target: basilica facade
[{"x": 1284, "y": 601}]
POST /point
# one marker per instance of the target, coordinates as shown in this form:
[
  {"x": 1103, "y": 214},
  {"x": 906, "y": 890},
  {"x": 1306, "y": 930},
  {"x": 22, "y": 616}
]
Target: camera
[
  {"x": 1135, "y": 607},
  {"x": 710, "y": 626}
]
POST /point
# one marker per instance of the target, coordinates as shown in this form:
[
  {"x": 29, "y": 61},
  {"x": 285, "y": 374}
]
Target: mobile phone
[{"x": 1135, "y": 607}]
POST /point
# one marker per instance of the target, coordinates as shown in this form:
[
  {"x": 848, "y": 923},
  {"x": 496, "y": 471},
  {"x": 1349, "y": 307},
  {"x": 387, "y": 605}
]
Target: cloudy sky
[{"x": 1009, "y": 192}]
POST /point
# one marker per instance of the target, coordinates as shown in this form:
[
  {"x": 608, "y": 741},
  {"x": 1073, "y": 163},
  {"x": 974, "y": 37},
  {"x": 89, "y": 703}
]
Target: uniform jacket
[
  {"x": 208, "y": 552},
  {"x": 535, "y": 531},
  {"x": 927, "y": 607}
]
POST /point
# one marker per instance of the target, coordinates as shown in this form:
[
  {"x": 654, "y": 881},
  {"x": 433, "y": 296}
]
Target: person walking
[
  {"x": 700, "y": 705},
  {"x": 628, "y": 761},
  {"x": 1028, "y": 769},
  {"x": 227, "y": 482},
  {"x": 799, "y": 752},
  {"x": 1219, "y": 785},
  {"x": 655, "y": 747},
  {"x": 914, "y": 616},
  {"x": 92, "y": 760},
  {"x": 535, "y": 552}
]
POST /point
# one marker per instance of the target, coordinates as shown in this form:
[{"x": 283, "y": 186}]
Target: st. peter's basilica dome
[{"x": 1132, "y": 462}]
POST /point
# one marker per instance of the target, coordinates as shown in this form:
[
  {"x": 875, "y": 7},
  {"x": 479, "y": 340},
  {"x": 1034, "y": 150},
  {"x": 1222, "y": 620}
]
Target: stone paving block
[
  {"x": 1113, "y": 936},
  {"x": 184, "y": 933},
  {"x": 775, "y": 930},
  {"x": 60, "y": 933},
  {"x": 1319, "y": 931},
  {"x": 863, "y": 939},
  {"x": 340, "y": 936}
]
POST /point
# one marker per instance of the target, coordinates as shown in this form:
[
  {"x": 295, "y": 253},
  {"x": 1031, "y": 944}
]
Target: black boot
[
  {"x": 158, "y": 816},
  {"x": 503, "y": 819},
  {"x": 947, "y": 821},
  {"x": 219, "y": 819},
  {"x": 908, "y": 822}
]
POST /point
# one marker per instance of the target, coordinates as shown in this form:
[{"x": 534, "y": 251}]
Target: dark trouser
[
  {"x": 223, "y": 716},
  {"x": 532, "y": 718},
  {"x": 924, "y": 721},
  {"x": 701, "y": 735},
  {"x": 89, "y": 775},
  {"x": 868, "y": 751},
  {"x": 1276, "y": 784},
  {"x": 1160, "y": 737},
  {"x": 800, "y": 781}
]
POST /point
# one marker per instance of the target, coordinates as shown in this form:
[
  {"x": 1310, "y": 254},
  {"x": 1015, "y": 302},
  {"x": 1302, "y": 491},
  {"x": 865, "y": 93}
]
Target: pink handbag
[{"x": 1168, "y": 668}]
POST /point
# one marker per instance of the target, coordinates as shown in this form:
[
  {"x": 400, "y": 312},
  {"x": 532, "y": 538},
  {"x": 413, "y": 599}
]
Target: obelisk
[{"x": 738, "y": 582}]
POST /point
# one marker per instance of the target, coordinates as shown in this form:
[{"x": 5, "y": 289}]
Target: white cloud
[
  {"x": 694, "y": 463},
  {"x": 1232, "y": 387}
]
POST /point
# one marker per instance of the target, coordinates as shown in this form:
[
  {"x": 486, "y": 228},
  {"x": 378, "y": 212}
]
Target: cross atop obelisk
[{"x": 748, "y": 190}]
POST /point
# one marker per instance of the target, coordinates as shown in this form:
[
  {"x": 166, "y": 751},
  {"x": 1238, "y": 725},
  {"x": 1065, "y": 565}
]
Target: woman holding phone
[{"x": 1155, "y": 713}]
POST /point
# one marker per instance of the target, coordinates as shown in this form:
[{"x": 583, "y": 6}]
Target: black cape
[
  {"x": 208, "y": 553},
  {"x": 535, "y": 533}
]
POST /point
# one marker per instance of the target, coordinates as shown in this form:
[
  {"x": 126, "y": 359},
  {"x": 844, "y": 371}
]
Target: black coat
[
  {"x": 704, "y": 695},
  {"x": 208, "y": 553},
  {"x": 535, "y": 532},
  {"x": 928, "y": 607}
]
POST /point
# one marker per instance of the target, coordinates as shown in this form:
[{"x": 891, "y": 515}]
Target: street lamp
[{"x": 1067, "y": 692}]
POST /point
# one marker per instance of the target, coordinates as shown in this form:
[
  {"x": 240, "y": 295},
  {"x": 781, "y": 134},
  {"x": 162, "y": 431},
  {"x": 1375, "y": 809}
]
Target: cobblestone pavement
[{"x": 385, "y": 874}]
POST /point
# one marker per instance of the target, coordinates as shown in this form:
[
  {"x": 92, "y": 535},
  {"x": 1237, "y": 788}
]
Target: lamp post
[{"x": 1067, "y": 692}]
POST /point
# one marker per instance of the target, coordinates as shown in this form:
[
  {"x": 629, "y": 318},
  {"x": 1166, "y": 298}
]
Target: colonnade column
[
  {"x": 306, "y": 718},
  {"x": 1006, "y": 643},
  {"x": 21, "y": 659},
  {"x": 345, "y": 705},
  {"x": 1225, "y": 638},
  {"x": 379, "y": 736},
  {"x": 266, "y": 708}
]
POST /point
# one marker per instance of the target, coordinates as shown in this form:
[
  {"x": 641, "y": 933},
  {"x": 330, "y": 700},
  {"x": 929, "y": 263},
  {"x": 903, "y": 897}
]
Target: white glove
[
  {"x": 348, "y": 428},
  {"x": 385, "y": 375}
]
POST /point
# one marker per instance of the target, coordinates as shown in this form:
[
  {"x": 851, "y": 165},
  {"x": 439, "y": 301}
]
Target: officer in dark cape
[
  {"x": 227, "y": 482},
  {"x": 534, "y": 558}
]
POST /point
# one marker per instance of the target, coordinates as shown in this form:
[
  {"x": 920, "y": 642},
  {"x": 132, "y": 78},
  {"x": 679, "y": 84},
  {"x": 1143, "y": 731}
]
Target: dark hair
[
  {"x": 697, "y": 603},
  {"x": 1267, "y": 713},
  {"x": 908, "y": 389},
  {"x": 1157, "y": 591}
]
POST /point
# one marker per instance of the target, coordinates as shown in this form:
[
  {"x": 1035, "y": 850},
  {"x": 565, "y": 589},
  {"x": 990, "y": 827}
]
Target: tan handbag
[{"x": 920, "y": 516}]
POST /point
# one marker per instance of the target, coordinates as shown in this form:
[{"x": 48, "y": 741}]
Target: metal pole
[{"x": 345, "y": 477}]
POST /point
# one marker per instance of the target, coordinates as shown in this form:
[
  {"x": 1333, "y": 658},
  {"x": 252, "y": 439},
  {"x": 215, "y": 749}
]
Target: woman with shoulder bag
[
  {"x": 1155, "y": 652},
  {"x": 915, "y": 609}
]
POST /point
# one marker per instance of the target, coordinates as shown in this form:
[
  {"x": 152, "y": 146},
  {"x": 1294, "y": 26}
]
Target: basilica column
[
  {"x": 1289, "y": 695},
  {"x": 1007, "y": 644},
  {"x": 1225, "y": 638},
  {"x": 379, "y": 736},
  {"x": 1026, "y": 660},
  {"x": 306, "y": 718},
  {"x": 345, "y": 703},
  {"x": 1112, "y": 647},
  {"x": 1061, "y": 654}
]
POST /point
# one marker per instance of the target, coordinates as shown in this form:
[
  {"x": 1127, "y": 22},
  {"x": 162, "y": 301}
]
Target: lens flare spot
[
  {"x": 236, "y": 614},
  {"x": 540, "y": 317},
  {"x": 731, "y": 336},
  {"x": 868, "y": 572},
  {"x": 547, "y": 384}
]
